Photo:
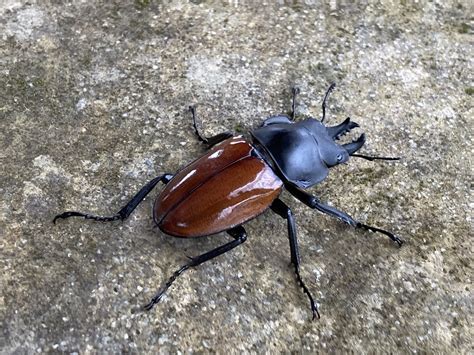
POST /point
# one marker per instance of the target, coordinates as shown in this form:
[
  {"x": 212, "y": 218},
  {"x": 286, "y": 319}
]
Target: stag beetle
[{"x": 237, "y": 180}]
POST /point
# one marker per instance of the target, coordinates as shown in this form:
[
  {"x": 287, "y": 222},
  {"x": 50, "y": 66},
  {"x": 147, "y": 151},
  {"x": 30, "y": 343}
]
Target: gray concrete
[{"x": 93, "y": 104}]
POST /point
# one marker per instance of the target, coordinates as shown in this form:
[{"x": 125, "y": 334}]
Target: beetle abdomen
[{"x": 225, "y": 188}]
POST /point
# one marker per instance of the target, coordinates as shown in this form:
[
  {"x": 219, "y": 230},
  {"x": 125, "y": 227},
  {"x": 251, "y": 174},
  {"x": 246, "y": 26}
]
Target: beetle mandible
[{"x": 283, "y": 154}]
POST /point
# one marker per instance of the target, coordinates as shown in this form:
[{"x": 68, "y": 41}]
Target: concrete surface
[{"x": 93, "y": 104}]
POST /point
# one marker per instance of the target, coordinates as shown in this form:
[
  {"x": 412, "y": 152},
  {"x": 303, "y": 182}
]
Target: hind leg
[{"x": 239, "y": 235}]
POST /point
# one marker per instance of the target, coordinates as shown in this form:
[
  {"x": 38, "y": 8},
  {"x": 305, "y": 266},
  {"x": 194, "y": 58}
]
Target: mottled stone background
[{"x": 93, "y": 104}]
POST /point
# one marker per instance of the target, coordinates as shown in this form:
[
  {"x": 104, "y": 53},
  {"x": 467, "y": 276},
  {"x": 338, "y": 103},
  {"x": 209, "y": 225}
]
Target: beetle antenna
[
  {"x": 331, "y": 88},
  {"x": 372, "y": 158},
  {"x": 200, "y": 138},
  {"x": 294, "y": 91}
]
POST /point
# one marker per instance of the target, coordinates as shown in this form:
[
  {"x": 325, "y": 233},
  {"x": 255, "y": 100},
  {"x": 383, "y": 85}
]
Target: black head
[{"x": 304, "y": 151}]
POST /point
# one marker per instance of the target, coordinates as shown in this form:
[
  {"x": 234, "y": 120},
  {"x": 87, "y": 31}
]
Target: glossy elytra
[{"x": 237, "y": 179}]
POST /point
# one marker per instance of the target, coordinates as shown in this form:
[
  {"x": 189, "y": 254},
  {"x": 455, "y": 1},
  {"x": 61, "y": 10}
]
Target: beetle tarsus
[
  {"x": 314, "y": 308},
  {"x": 162, "y": 291},
  {"x": 239, "y": 235},
  {"x": 126, "y": 210},
  {"x": 68, "y": 214},
  {"x": 150, "y": 305},
  {"x": 280, "y": 208},
  {"x": 387, "y": 233},
  {"x": 314, "y": 203}
]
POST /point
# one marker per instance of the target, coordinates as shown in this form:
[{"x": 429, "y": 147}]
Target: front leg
[
  {"x": 284, "y": 119},
  {"x": 211, "y": 141},
  {"x": 314, "y": 203}
]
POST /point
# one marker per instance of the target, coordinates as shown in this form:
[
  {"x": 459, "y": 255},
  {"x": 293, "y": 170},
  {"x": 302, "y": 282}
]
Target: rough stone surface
[{"x": 93, "y": 104}]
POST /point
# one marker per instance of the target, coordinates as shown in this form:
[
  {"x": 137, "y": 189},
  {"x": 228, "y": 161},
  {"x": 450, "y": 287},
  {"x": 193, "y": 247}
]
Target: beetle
[{"x": 237, "y": 180}]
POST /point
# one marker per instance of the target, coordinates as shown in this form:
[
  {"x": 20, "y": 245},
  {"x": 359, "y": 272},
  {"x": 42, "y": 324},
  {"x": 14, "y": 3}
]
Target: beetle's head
[
  {"x": 304, "y": 151},
  {"x": 330, "y": 151}
]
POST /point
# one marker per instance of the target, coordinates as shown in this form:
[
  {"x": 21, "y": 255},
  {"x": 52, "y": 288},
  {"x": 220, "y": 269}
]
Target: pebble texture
[{"x": 93, "y": 104}]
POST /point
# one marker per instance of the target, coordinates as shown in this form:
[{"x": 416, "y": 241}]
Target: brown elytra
[{"x": 211, "y": 195}]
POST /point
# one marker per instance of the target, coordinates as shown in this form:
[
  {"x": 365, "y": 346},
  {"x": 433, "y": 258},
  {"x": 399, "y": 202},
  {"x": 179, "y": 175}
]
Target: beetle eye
[{"x": 339, "y": 157}]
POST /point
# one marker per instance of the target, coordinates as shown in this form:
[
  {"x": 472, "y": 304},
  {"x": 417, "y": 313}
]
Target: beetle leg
[
  {"x": 239, "y": 235},
  {"x": 126, "y": 210},
  {"x": 211, "y": 140},
  {"x": 314, "y": 203},
  {"x": 284, "y": 211},
  {"x": 331, "y": 88}
]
